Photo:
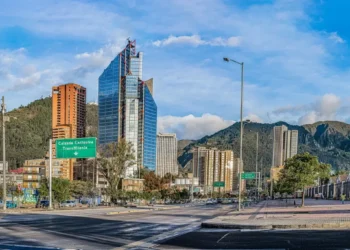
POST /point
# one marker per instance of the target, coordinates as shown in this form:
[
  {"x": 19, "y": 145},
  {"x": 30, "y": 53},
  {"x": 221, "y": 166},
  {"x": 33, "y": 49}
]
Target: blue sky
[{"x": 296, "y": 56}]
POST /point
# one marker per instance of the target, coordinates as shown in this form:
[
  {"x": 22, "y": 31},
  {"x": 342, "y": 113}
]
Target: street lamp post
[
  {"x": 226, "y": 59},
  {"x": 3, "y": 110}
]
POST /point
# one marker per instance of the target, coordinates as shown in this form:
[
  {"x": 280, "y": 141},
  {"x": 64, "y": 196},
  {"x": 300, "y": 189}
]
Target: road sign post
[
  {"x": 248, "y": 176},
  {"x": 219, "y": 184},
  {"x": 76, "y": 148}
]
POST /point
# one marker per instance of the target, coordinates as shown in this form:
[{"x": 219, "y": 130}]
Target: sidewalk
[{"x": 282, "y": 215}]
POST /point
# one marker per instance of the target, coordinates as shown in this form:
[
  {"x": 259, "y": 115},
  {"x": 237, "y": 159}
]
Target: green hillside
[
  {"x": 328, "y": 140},
  {"x": 29, "y": 130}
]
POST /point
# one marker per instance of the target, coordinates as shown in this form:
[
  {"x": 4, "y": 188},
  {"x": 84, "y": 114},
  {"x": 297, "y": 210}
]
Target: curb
[
  {"x": 233, "y": 226},
  {"x": 329, "y": 225},
  {"x": 129, "y": 211},
  {"x": 141, "y": 210}
]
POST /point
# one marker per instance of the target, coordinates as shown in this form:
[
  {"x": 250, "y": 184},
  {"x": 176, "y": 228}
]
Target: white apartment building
[{"x": 166, "y": 154}]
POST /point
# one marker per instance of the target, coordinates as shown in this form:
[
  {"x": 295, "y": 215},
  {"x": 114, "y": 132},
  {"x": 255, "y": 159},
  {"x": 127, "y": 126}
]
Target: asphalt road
[
  {"x": 93, "y": 229},
  {"x": 268, "y": 239}
]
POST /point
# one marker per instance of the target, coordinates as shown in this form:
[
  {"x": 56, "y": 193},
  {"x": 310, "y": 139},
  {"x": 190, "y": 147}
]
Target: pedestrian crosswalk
[
  {"x": 82, "y": 233},
  {"x": 95, "y": 230}
]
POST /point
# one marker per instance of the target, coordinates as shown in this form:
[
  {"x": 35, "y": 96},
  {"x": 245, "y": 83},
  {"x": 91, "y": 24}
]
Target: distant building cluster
[
  {"x": 285, "y": 146},
  {"x": 211, "y": 165},
  {"x": 126, "y": 109}
]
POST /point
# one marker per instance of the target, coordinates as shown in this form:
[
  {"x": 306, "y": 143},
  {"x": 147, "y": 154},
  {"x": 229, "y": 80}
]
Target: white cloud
[
  {"x": 16, "y": 71},
  {"x": 196, "y": 40},
  {"x": 71, "y": 18},
  {"x": 102, "y": 56},
  {"x": 308, "y": 118},
  {"x": 327, "y": 107},
  {"x": 253, "y": 118},
  {"x": 336, "y": 38},
  {"x": 192, "y": 127}
]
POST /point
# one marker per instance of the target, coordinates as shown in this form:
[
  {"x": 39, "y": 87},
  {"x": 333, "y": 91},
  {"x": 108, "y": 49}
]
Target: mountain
[
  {"x": 181, "y": 145},
  {"x": 29, "y": 130},
  {"x": 329, "y": 140}
]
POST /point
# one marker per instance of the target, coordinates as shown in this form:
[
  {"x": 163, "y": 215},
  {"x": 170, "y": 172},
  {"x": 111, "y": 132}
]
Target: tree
[
  {"x": 184, "y": 194},
  {"x": 142, "y": 172},
  {"x": 60, "y": 189},
  {"x": 44, "y": 188},
  {"x": 132, "y": 195},
  {"x": 113, "y": 160},
  {"x": 7, "y": 189},
  {"x": 165, "y": 194},
  {"x": 78, "y": 189},
  {"x": 324, "y": 173},
  {"x": 152, "y": 182},
  {"x": 300, "y": 171},
  {"x": 168, "y": 177}
]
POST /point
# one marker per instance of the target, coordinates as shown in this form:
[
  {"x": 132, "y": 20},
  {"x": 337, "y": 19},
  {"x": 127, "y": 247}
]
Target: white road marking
[
  {"x": 150, "y": 242},
  {"x": 222, "y": 237}
]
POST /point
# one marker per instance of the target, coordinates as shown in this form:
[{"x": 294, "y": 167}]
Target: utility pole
[
  {"x": 50, "y": 174},
  {"x": 3, "y": 109},
  {"x": 192, "y": 182},
  {"x": 256, "y": 164}
]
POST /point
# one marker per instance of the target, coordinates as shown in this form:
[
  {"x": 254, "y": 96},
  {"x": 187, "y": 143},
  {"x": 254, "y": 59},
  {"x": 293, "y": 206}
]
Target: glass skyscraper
[{"x": 127, "y": 108}]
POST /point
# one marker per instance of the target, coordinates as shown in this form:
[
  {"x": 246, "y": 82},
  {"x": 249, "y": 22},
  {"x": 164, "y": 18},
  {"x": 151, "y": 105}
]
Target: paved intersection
[{"x": 93, "y": 229}]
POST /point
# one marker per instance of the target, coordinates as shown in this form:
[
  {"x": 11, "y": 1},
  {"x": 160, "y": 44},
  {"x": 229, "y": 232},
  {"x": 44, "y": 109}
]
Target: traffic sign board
[
  {"x": 248, "y": 176},
  {"x": 219, "y": 184},
  {"x": 76, "y": 148}
]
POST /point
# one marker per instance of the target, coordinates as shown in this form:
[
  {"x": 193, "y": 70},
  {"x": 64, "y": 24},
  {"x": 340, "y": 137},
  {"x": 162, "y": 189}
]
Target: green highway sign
[
  {"x": 219, "y": 184},
  {"x": 248, "y": 176},
  {"x": 76, "y": 148}
]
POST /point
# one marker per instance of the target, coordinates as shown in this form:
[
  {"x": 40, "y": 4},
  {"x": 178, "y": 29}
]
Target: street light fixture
[{"x": 226, "y": 59}]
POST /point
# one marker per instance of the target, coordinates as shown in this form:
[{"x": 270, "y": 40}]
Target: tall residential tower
[
  {"x": 166, "y": 154},
  {"x": 285, "y": 144},
  {"x": 127, "y": 108},
  {"x": 212, "y": 165},
  {"x": 68, "y": 118}
]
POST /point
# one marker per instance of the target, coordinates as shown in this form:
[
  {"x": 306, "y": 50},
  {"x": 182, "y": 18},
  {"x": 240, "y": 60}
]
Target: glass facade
[
  {"x": 131, "y": 117},
  {"x": 127, "y": 109},
  {"x": 150, "y": 130},
  {"x": 136, "y": 65},
  {"x": 108, "y": 100}
]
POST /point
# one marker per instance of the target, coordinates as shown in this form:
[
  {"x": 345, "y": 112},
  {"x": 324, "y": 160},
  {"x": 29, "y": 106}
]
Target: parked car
[
  {"x": 209, "y": 202},
  {"x": 104, "y": 203},
  {"x": 226, "y": 201},
  {"x": 43, "y": 204},
  {"x": 220, "y": 200},
  {"x": 68, "y": 204}
]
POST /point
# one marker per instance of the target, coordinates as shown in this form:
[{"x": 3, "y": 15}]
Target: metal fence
[{"x": 330, "y": 191}]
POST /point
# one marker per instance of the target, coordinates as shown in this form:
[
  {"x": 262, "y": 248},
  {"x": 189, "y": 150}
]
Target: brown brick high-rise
[{"x": 68, "y": 117}]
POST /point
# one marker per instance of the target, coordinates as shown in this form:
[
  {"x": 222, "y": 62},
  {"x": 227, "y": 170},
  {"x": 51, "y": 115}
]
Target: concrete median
[{"x": 275, "y": 215}]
